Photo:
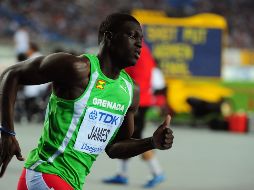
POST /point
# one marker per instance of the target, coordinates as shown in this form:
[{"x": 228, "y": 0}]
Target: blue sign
[{"x": 185, "y": 51}]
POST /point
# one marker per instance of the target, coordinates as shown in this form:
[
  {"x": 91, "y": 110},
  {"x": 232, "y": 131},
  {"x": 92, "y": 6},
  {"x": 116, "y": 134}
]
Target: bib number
[{"x": 96, "y": 130}]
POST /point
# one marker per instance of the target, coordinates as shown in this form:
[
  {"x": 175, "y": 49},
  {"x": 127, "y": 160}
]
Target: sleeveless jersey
[{"x": 76, "y": 131}]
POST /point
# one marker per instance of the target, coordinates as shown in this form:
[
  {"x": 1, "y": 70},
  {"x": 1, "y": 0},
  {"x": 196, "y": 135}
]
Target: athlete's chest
[
  {"x": 110, "y": 96},
  {"x": 105, "y": 109}
]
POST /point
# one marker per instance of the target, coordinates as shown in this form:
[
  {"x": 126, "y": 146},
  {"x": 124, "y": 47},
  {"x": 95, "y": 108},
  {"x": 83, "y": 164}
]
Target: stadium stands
[{"x": 77, "y": 20}]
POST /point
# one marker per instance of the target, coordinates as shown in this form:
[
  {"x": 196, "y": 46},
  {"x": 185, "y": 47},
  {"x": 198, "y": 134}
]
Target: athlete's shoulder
[
  {"x": 60, "y": 59},
  {"x": 62, "y": 56},
  {"x": 67, "y": 63}
]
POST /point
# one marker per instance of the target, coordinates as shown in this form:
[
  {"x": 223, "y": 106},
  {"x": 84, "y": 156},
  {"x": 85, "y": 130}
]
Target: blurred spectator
[
  {"x": 21, "y": 40},
  {"x": 33, "y": 50}
]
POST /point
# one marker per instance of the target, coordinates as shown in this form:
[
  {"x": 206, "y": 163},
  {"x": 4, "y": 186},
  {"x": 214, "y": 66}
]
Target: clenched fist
[{"x": 163, "y": 136}]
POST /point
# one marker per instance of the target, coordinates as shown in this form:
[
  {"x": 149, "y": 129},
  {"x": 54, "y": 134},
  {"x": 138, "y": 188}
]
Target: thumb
[{"x": 166, "y": 122}]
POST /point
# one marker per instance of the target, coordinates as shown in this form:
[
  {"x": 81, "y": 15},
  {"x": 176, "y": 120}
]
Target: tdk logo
[
  {"x": 93, "y": 115},
  {"x": 104, "y": 117}
]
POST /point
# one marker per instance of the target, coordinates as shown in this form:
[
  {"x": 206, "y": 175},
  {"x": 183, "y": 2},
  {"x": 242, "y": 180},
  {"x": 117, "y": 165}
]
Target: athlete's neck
[{"x": 108, "y": 67}]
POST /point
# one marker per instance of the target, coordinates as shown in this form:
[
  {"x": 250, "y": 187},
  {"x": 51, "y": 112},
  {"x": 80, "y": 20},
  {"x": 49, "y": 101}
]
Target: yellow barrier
[{"x": 179, "y": 90}]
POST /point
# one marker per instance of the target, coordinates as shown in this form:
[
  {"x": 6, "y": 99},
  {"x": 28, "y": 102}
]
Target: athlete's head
[{"x": 122, "y": 36}]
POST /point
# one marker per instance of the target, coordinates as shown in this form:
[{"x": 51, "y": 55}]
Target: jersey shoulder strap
[{"x": 93, "y": 61}]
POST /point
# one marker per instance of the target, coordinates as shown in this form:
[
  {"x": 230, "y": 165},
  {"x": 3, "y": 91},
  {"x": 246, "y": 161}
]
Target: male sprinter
[{"x": 91, "y": 109}]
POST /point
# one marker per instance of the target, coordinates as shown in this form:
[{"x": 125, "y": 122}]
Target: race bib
[{"x": 96, "y": 130}]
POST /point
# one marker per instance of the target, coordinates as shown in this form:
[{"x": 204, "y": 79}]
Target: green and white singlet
[{"x": 77, "y": 131}]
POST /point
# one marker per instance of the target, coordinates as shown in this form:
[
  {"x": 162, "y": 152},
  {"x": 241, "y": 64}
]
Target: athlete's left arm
[{"x": 123, "y": 146}]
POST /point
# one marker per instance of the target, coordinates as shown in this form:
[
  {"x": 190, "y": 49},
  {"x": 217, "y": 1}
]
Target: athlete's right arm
[{"x": 61, "y": 69}]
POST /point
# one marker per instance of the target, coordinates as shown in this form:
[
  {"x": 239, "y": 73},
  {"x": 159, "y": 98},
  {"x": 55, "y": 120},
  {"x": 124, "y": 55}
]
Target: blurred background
[{"x": 203, "y": 49}]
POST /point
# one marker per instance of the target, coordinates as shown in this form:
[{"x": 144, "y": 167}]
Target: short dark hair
[{"x": 112, "y": 23}]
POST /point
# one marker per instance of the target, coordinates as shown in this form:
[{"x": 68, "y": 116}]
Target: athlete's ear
[{"x": 108, "y": 35}]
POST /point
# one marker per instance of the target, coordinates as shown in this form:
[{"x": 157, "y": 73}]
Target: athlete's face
[{"x": 126, "y": 44}]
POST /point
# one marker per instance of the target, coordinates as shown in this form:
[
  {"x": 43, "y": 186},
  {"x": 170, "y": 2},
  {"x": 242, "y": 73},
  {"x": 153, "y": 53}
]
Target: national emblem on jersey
[{"x": 100, "y": 84}]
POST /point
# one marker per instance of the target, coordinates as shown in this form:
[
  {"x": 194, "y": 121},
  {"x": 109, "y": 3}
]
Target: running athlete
[{"x": 91, "y": 109}]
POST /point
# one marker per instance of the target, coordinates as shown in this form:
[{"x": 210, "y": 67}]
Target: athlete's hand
[
  {"x": 163, "y": 136},
  {"x": 9, "y": 147}
]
